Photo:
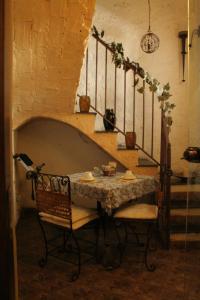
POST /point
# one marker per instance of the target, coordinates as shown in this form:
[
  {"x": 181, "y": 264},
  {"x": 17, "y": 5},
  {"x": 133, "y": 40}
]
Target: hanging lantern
[{"x": 150, "y": 41}]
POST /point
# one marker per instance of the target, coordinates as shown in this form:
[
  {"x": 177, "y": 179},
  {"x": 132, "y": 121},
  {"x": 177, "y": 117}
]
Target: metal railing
[
  {"x": 144, "y": 117},
  {"x": 134, "y": 112}
]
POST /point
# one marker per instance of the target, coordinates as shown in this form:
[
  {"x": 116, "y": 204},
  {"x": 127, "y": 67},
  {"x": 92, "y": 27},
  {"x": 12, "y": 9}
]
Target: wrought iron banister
[
  {"x": 128, "y": 65},
  {"x": 122, "y": 132},
  {"x": 135, "y": 108},
  {"x": 117, "y": 89},
  {"x": 165, "y": 181}
]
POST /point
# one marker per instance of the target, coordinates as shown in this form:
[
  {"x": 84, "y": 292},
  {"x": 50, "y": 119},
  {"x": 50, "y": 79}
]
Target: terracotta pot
[
  {"x": 130, "y": 139},
  {"x": 84, "y": 104}
]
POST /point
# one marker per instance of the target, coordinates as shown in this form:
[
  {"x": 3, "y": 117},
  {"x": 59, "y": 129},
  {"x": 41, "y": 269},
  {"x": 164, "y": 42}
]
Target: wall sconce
[
  {"x": 183, "y": 36},
  {"x": 195, "y": 31}
]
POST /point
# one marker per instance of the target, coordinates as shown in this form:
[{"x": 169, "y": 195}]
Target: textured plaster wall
[
  {"x": 194, "y": 80},
  {"x": 194, "y": 75},
  {"x": 49, "y": 41},
  {"x": 127, "y": 21}
]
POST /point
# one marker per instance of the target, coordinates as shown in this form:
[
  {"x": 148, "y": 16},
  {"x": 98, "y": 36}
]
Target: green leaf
[
  {"x": 166, "y": 87},
  {"x": 136, "y": 81},
  {"x": 141, "y": 90},
  {"x": 102, "y": 33},
  {"x": 152, "y": 88}
]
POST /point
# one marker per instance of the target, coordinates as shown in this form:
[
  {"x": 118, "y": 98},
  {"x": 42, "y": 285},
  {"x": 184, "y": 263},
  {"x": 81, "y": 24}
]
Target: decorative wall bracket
[
  {"x": 183, "y": 36},
  {"x": 197, "y": 32}
]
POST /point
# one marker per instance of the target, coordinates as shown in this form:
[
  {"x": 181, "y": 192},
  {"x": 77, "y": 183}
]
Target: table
[{"x": 110, "y": 191}]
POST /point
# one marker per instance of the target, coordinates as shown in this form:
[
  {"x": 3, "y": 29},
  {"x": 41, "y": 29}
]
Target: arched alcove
[{"x": 62, "y": 148}]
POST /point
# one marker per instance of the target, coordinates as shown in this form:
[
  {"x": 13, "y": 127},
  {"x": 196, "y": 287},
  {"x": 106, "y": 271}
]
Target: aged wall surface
[
  {"x": 126, "y": 22},
  {"x": 194, "y": 80},
  {"x": 49, "y": 42}
]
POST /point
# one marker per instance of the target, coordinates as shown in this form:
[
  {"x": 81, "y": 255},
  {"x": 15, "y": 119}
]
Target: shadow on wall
[{"x": 62, "y": 148}]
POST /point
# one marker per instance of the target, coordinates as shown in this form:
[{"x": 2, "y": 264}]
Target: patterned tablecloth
[{"x": 111, "y": 191}]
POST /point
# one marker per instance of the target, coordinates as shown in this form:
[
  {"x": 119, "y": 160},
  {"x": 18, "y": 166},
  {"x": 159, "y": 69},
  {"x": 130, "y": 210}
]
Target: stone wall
[{"x": 49, "y": 42}]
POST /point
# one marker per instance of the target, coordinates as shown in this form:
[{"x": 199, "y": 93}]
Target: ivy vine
[{"x": 162, "y": 92}]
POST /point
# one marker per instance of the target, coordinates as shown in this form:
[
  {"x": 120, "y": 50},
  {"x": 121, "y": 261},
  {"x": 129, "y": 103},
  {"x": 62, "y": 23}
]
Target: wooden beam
[{"x": 6, "y": 243}]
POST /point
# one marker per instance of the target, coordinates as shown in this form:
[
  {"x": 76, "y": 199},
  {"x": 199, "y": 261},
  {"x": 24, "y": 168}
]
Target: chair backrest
[{"x": 53, "y": 195}]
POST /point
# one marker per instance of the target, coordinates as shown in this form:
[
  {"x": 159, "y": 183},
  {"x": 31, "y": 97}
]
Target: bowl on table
[
  {"x": 108, "y": 170},
  {"x": 87, "y": 176},
  {"x": 128, "y": 175}
]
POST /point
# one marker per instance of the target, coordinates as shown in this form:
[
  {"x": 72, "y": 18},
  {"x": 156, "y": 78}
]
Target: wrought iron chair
[
  {"x": 54, "y": 206},
  {"x": 130, "y": 216}
]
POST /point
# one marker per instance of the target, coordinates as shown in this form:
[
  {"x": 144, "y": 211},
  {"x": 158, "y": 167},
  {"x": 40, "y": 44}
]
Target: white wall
[
  {"x": 194, "y": 81},
  {"x": 126, "y": 22}
]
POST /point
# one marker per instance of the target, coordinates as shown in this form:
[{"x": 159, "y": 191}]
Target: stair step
[
  {"x": 185, "y": 188},
  {"x": 121, "y": 147},
  {"x": 104, "y": 131},
  {"x": 147, "y": 166},
  {"x": 183, "y": 212},
  {"x": 185, "y": 237},
  {"x": 86, "y": 113},
  {"x": 146, "y": 162}
]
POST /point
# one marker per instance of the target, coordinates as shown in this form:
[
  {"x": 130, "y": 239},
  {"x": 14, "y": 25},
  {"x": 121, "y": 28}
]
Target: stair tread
[
  {"x": 185, "y": 188},
  {"x": 119, "y": 148},
  {"x": 147, "y": 166},
  {"x": 180, "y": 237},
  {"x": 104, "y": 131},
  {"x": 185, "y": 212},
  {"x": 86, "y": 113}
]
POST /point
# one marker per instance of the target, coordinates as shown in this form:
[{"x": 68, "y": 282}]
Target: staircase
[
  {"x": 109, "y": 86},
  {"x": 85, "y": 123},
  {"x": 136, "y": 110},
  {"x": 185, "y": 214}
]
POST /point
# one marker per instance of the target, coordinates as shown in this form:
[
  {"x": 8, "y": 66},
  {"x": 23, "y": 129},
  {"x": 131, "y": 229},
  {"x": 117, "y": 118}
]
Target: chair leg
[
  {"x": 75, "y": 275},
  {"x": 150, "y": 267},
  {"x": 97, "y": 230},
  {"x": 133, "y": 229},
  {"x": 43, "y": 261},
  {"x": 120, "y": 244}
]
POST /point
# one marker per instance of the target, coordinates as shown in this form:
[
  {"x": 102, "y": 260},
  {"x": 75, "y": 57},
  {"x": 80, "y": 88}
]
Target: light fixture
[
  {"x": 183, "y": 36},
  {"x": 150, "y": 41},
  {"x": 195, "y": 31}
]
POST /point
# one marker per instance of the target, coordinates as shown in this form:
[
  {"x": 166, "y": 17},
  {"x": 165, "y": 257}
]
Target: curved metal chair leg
[
  {"x": 139, "y": 243},
  {"x": 43, "y": 261},
  {"x": 150, "y": 267}
]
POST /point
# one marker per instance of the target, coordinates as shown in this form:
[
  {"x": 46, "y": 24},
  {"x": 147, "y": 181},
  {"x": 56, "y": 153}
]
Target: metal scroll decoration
[{"x": 150, "y": 41}]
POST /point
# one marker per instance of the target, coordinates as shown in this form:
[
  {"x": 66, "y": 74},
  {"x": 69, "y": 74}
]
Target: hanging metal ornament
[{"x": 150, "y": 41}]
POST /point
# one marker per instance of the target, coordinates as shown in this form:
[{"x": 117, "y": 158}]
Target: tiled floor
[{"x": 176, "y": 277}]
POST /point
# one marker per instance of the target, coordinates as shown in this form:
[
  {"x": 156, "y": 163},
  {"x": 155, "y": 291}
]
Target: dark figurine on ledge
[{"x": 109, "y": 116}]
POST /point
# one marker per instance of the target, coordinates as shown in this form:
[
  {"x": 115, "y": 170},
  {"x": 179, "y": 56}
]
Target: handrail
[
  {"x": 128, "y": 65},
  {"x": 165, "y": 175},
  {"x": 122, "y": 132}
]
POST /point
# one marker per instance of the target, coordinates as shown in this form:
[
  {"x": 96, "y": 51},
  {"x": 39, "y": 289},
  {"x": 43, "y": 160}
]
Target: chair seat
[
  {"x": 80, "y": 217},
  {"x": 138, "y": 211}
]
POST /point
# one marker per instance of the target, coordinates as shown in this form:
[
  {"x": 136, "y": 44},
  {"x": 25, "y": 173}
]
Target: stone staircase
[
  {"x": 130, "y": 159},
  {"x": 185, "y": 214}
]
